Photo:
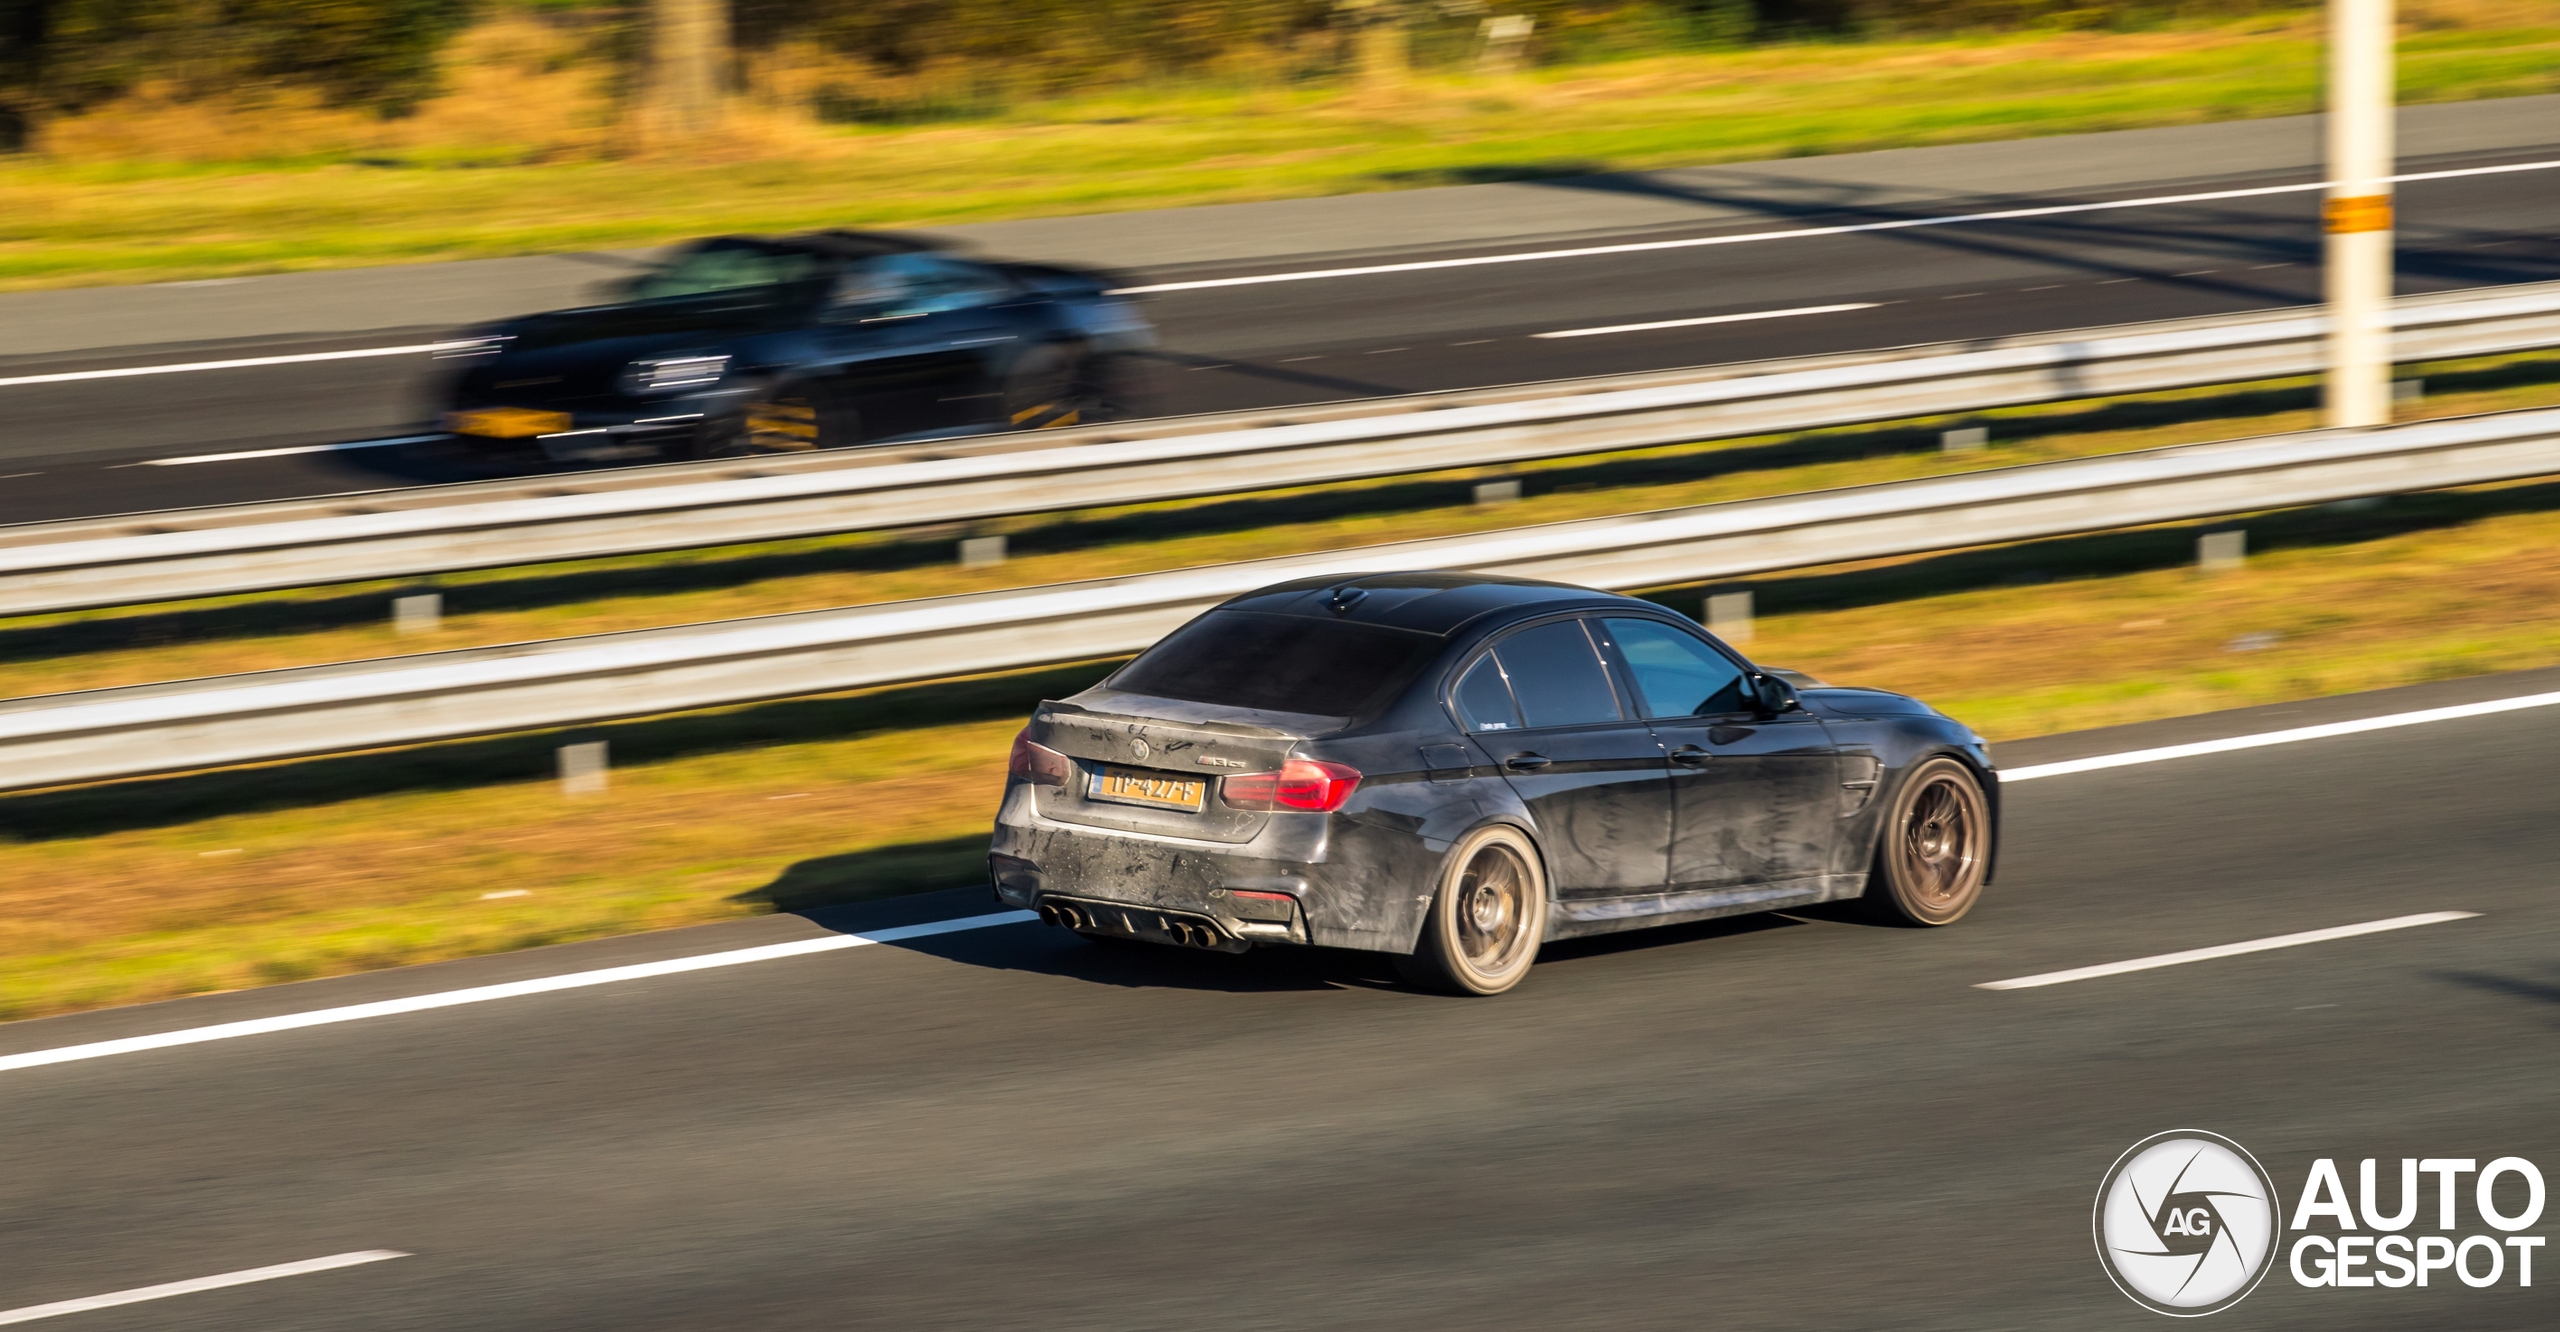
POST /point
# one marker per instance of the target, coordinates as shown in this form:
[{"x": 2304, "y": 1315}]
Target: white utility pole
[{"x": 2358, "y": 212}]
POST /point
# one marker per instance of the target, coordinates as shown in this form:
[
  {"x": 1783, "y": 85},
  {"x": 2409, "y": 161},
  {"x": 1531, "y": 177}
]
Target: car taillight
[
  {"x": 1037, "y": 763},
  {"x": 1300, "y": 784}
]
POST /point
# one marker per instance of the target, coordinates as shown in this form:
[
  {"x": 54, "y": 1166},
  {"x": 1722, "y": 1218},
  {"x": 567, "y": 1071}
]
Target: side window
[
  {"x": 1557, "y": 676},
  {"x": 1677, "y": 675},
  {"x": 930, "y": 283},
  {"x": 874, "y": 288},
  {"x": 1484, "y": 698}
]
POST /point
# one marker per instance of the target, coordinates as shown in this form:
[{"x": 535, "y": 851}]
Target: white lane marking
[
  {"x": 1707, "y": 319},
  {"x": 2226, "y": 950},
  {"x": 2265, "y": 738},
  {"x": 243, "y": 363},
  {"x": 140, "y": 1293},
  {"x": 278, "y": 453},
  {"x": 1845, "y": 229},
  {"x": 482, "y": 994}
]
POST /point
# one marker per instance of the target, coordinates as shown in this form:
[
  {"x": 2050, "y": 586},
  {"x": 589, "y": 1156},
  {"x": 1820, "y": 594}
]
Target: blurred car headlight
[{"x": 672, "y": 374}]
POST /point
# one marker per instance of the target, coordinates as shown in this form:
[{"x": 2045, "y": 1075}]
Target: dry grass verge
[{"x": 513, "y": 162}]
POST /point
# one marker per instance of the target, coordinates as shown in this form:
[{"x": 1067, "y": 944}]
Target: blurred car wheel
[{"x": 1050, "y": 387}]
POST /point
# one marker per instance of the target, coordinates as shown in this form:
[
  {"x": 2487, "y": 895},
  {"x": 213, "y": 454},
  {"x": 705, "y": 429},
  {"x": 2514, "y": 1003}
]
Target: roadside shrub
[{"x": 380, "y": 54}]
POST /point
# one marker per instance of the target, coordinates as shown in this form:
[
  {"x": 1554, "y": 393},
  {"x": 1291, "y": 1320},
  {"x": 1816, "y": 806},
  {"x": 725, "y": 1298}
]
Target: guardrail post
[
  {"x": 1729, "y": 616},
  {"x": 419, "y": 614},
  {"x": 2219, "y": 551},
  {"x": 980, "y": 552},
  {"x": 582, "y": 768}
]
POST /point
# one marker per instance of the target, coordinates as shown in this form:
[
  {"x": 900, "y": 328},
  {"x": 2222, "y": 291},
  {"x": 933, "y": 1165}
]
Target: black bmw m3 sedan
[
  {"x": 744, "y": 344},
  {"x": 1453, "y": 769}
]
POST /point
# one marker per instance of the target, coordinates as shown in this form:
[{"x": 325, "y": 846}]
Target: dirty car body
[
  {"x": 1295, "y": 765},
  {"x": 749, "y": 343}
]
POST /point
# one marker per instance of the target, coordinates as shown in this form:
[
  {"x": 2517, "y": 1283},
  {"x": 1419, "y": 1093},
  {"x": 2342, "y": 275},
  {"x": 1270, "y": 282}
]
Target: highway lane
[
  {"x": 1779, "y": 1122},
  {"x": 72, "y": 449}
]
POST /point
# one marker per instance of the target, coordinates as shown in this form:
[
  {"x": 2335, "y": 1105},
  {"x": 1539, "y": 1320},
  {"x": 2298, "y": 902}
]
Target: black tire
[
  {"x": 1487, "y": 916},
  {"x": 794, "y": 418},
  {"x": 1051, "y": 387},
  {"x": 1935, "y": 848}
]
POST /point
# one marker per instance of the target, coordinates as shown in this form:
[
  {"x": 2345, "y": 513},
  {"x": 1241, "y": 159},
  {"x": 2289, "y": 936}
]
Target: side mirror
[{"x": 1773, "y": 696}]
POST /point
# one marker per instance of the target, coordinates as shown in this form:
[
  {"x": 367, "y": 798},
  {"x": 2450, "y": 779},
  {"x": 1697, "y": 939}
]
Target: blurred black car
[
  {"x": 1453, "y": 768},
  {"x": 746, "y": 344}
]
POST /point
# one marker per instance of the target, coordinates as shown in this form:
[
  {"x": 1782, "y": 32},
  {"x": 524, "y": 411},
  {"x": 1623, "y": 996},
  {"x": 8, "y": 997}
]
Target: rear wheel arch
[{"x": 1486, "y": 916}]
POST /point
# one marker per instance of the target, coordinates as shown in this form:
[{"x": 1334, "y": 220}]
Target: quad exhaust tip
[{"x": 1067, "y": 915}]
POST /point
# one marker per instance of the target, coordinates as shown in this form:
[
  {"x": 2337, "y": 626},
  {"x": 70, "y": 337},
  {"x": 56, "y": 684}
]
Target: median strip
[
  {"x": 139, "y": 1294},
  {"x": 2224, "y": 950}
]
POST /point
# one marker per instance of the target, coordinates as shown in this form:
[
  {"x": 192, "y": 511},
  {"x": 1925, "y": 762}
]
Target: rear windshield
[{"x": 1280, "y": 663}]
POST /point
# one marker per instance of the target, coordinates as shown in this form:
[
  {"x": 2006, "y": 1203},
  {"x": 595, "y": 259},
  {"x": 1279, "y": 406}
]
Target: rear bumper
[
  {"x": 1196, "y": 908},
  {"x": 1346, "y": 883}
]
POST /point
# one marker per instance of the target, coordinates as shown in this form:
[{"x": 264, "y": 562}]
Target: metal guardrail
[
  {"x": 392, "y": 534},
  {"x": 277, "y": 714}
]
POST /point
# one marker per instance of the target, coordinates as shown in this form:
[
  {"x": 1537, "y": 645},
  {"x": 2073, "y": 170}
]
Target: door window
[
  {"x": 1556, "y": 675},
  {"x": 913, "y": 284},
  {"x": 1484, "y": 698},
  {"x": 1676, "y": 674}
]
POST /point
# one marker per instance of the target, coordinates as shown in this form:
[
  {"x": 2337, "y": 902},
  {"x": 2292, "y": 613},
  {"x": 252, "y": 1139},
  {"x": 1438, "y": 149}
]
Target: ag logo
[{"x": 2186, "y": 1222}]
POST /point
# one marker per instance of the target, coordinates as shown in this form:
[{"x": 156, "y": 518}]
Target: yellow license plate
[
  {"x": 1145, "y": 788},
  {"x": 506, "y": 422}
]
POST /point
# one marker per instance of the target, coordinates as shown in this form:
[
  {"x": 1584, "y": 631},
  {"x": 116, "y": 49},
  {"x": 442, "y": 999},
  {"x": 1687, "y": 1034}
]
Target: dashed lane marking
[
  {"x": 139, "y": 1294},
  {"x": 2225, "y": 950}
]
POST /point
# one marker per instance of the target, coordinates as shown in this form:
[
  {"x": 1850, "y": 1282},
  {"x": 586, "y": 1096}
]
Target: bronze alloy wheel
[
  {"x": 784, "y": 424},
  {"x": 1484, "y": 925},
  {"x": 1050, "y": 389},
  {"x": 1936, "y": 846}
]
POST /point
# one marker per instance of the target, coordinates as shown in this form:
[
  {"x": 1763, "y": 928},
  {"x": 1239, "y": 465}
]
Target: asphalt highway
[
  {"x": 1777, "y": 1122},
  {"x": 106, "y": 445}
]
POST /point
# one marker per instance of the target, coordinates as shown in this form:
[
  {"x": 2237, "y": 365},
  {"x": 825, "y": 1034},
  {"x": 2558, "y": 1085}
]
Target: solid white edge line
[
  {"x": 769, "y": 952},
  {"x": 278, "y": 453},
  {"x": 2226, "y": 950},
  {"x": 1899, "y": 224},
  {"x": 482, "y": 994},
  {"x": 1707, "y": 319},
  {"x": 161, "y": 1292},
  {"x": 2264, "y": 738},
  {"x": 243, "y": 363}
]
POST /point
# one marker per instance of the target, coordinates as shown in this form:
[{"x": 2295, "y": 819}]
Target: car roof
[{"x": 1432, "y": 601}]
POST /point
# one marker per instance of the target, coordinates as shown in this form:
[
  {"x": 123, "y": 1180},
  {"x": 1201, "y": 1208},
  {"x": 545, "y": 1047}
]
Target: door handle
[
  {"x": 1690, "y": 756},
  {"x": 1526, "y": 762}
]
